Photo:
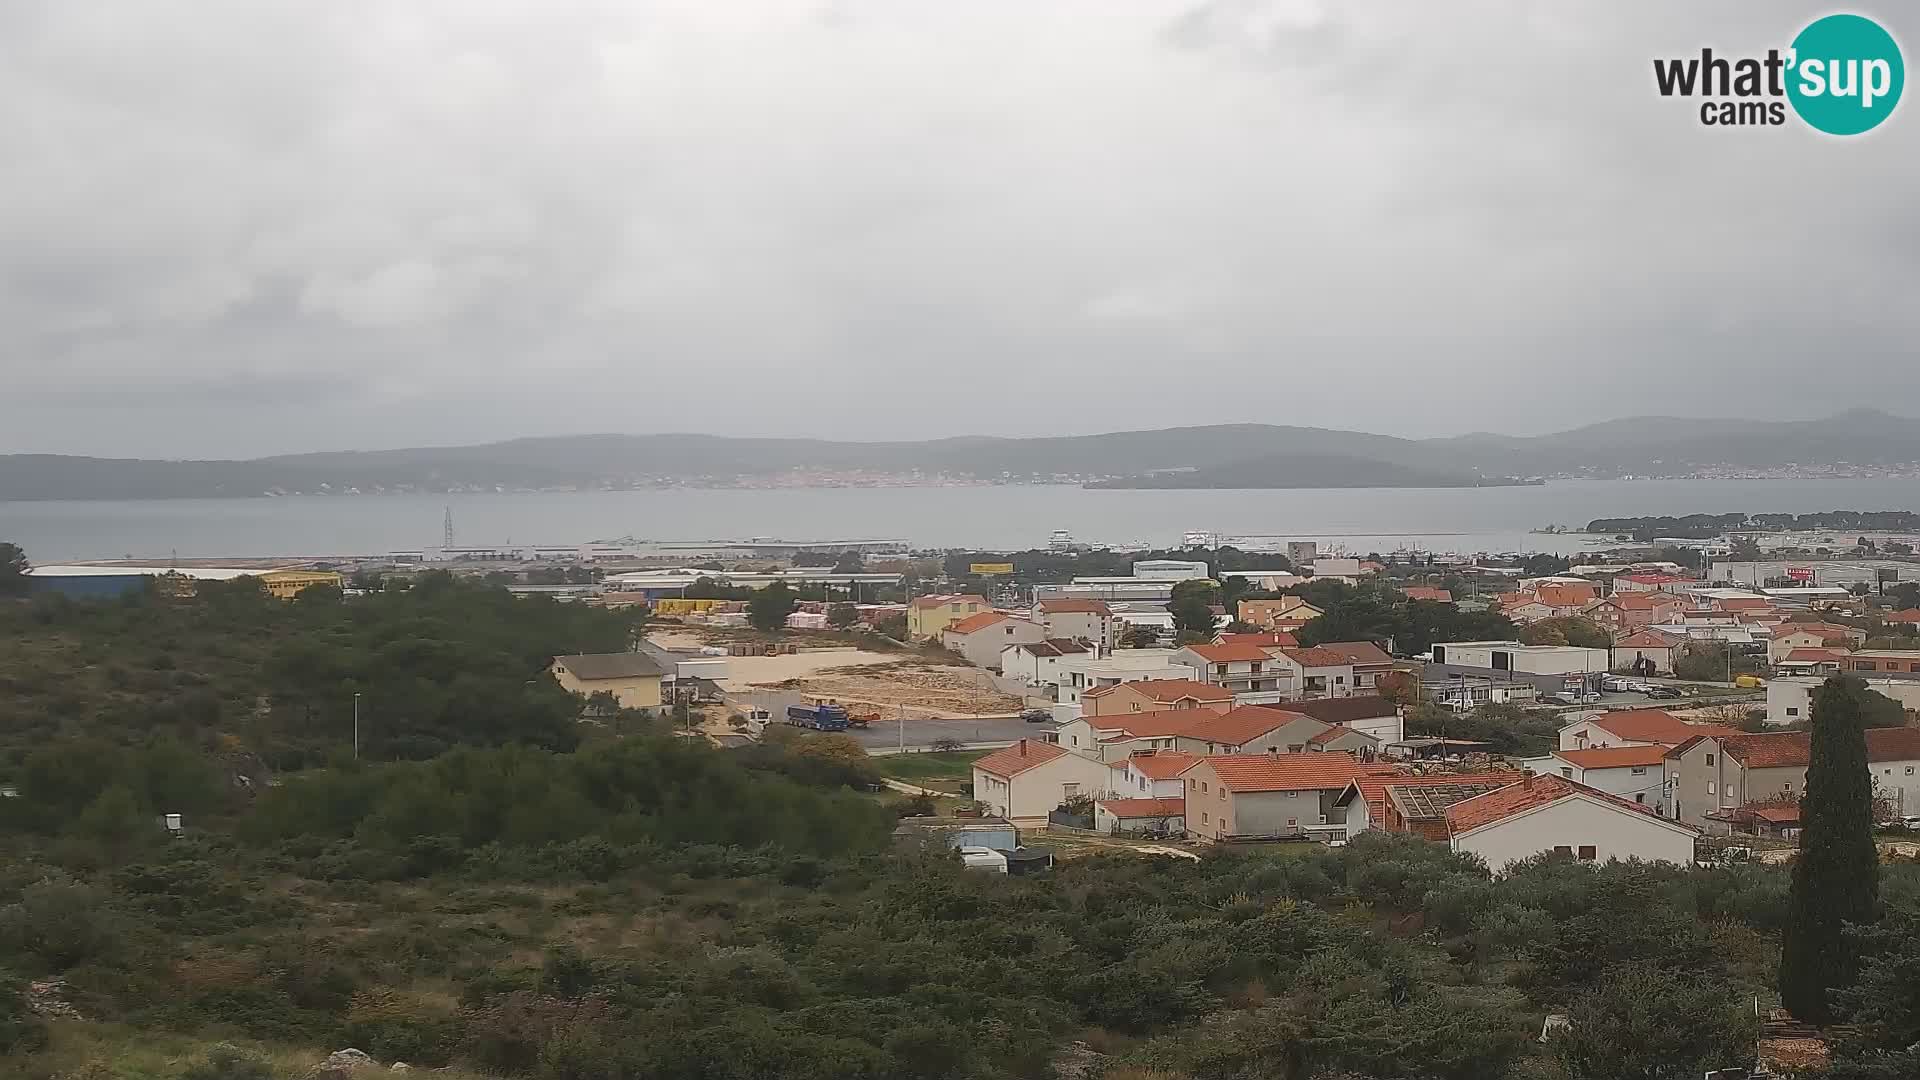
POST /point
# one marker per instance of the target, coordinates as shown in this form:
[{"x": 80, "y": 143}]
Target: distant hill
[
  {"x": 1224, "y": 455},
  {"x": 1306, "y": 471}
]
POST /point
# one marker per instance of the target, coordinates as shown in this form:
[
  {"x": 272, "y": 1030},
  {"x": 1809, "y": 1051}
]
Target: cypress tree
[{"x": 1836, "y": 879}]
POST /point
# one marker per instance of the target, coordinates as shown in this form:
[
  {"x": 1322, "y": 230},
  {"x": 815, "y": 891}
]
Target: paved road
[{"x": 972, "y": 730}]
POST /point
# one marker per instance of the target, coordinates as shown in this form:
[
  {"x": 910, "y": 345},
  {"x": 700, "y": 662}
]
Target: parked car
[
  {"x": 1613, "y": 685},
  {"x": 1656, "y": 690},
  {"x": 1036, "y": 716}
]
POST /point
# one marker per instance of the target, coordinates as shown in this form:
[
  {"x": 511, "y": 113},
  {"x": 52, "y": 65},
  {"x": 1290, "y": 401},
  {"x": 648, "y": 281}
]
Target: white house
[
  {"x": 1037, "y": 663},
  {"x": 1151, "y": 774},
  {"x": 1553, "y": 813},
  {"x": 1649, "y": 646},
  {"x": 1634, "y": 773},
  {"x": 1790, "y": 698},
  {"x": 1026, "y": 781},
  {"x": 1320, "y": 671},
  {"x": 1633, "y": 727},
  {"x": 981, "y": 638},
  {"x": 1078, "y": 674},
  {"x": 1242, "y": 668},
  {"x": 1145, "y": 816},
  {"x": 1072, "y": 619}
]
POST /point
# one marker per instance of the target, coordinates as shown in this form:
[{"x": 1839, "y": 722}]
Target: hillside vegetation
[{"x": 637, "y": 907}]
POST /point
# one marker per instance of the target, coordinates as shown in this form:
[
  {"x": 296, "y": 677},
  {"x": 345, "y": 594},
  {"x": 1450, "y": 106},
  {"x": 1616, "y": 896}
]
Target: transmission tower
[{"x": 446, "y": 529}]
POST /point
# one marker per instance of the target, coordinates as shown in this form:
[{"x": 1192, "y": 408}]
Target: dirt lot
[
  {"x": 921, "y": 683},
  {"x": 914, "y": 685}
]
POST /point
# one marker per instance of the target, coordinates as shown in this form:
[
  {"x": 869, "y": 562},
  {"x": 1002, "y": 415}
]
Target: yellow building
[
  {"x": 929, "y": 616},
  {"x": 676, "y": 605},
  {"x": 286, "y": 584},
  {"x": 632, "y": 678}
]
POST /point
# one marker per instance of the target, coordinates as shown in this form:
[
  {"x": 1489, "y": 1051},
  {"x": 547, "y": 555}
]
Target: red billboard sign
[{"x": 1800, "y": 573}]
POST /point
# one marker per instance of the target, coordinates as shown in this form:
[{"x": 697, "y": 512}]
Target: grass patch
[{"x": 912, "y": 768}]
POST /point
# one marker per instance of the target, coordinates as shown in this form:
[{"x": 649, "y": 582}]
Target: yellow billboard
[{"x": 988, "y": 569}]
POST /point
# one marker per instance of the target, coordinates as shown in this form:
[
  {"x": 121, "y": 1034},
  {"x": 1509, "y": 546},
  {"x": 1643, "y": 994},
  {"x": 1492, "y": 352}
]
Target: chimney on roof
[{"x": 1023, "y": 748}]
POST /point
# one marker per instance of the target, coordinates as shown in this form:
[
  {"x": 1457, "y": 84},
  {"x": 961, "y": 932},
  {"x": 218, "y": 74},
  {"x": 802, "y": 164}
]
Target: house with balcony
[{"x": 1249, "y": 672}]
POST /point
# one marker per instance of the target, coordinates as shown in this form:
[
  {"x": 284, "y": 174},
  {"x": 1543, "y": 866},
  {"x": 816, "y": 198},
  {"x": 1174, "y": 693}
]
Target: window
[
  {"x": 1566, "y": 771},
  {"x": 1637, "y": 770},
  {"x": 1709, "y": 759},
  {"x": 1203, "y": 787},
  {"x": 1709, "y": 787},
  {"x": 1203, "y": 817},
  {"x": 1909, "y": 770},
  {"x": 1587, "y": 853},
  {"x": 1640, "y": 797},
  {"x": 1793, "y": 710},
  {"x": 1293, "y": 794},
  {"x": 1070, "y": 790},
  {"x": 1193, "y": 785},
  {"x": 1293, "y": 823},
  {"x": 1788, "y": 786},
  {"x": 1223, "y": 794},
  {"x": 1562, "y": 849}
]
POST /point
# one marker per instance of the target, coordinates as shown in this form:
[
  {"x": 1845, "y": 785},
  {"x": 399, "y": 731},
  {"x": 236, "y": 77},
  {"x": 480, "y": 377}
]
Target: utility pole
[{"x": 356, "y": 725}]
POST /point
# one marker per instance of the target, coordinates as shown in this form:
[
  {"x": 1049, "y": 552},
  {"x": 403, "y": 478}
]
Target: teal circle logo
[{"x": 1845, "y": 74}]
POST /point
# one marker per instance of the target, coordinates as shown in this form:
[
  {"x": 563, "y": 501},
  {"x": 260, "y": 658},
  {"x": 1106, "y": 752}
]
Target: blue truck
[{"x": 818, "y": 717}]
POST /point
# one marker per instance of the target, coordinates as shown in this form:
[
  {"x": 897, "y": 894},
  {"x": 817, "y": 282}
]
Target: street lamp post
[{"x": 356, "y": 725}]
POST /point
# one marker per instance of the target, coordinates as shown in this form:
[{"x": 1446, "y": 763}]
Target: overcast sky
[{"x": 240, "y": 227}]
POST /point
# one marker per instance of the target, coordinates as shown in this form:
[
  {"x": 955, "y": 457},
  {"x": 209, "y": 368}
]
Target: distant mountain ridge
[{"x": 1223, "y": 455}]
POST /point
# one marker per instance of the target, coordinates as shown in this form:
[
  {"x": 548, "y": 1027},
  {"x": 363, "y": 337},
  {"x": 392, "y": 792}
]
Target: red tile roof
[
  {"x": 1826, "y": 632},
  {"x": 1227, "y": 654},
  {"x": 1158, "y": 723},
  {"x": 1426, "y": 592},
  {"x": 1814, "y": 656},
  {"x": 1018, "y": 758},
  {"x": 1565, "y": 595},
  {"x": 1614, "y": 757},
  {"x": 1743, "y": 603},
  {"x": 1907, "y": 615},
  {"x": 1530, "y": 793},
  {"x": 973, "y": 623},
  {"x": 1641, "y": 601},
  {"x": 1317, "y": 656},
  {"x": 1655, "y": 726},
  {"x": 1160, "y": 764},
  {"x": 1164, "y": 690},
  {"x": 1332, "y": 734},
  {"x": 1373, "y": 786},
  {"x": 1793, "y": 749},
  {"x": 1645, "y": 639},
  {"x": 1090, "y": 607},
  {"x": 1144, "y": 808},
  {"x": 1236, "y": 726},
  {"x": 1357, "y": 652},
  {"x": 1246, "y": 773}
]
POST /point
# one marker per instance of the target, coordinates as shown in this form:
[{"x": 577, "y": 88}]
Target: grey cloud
[{"x": 255, "y": 226}]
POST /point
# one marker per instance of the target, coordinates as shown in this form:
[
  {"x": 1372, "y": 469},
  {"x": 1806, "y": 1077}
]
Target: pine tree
[{"x": 1836, "y": 879}]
